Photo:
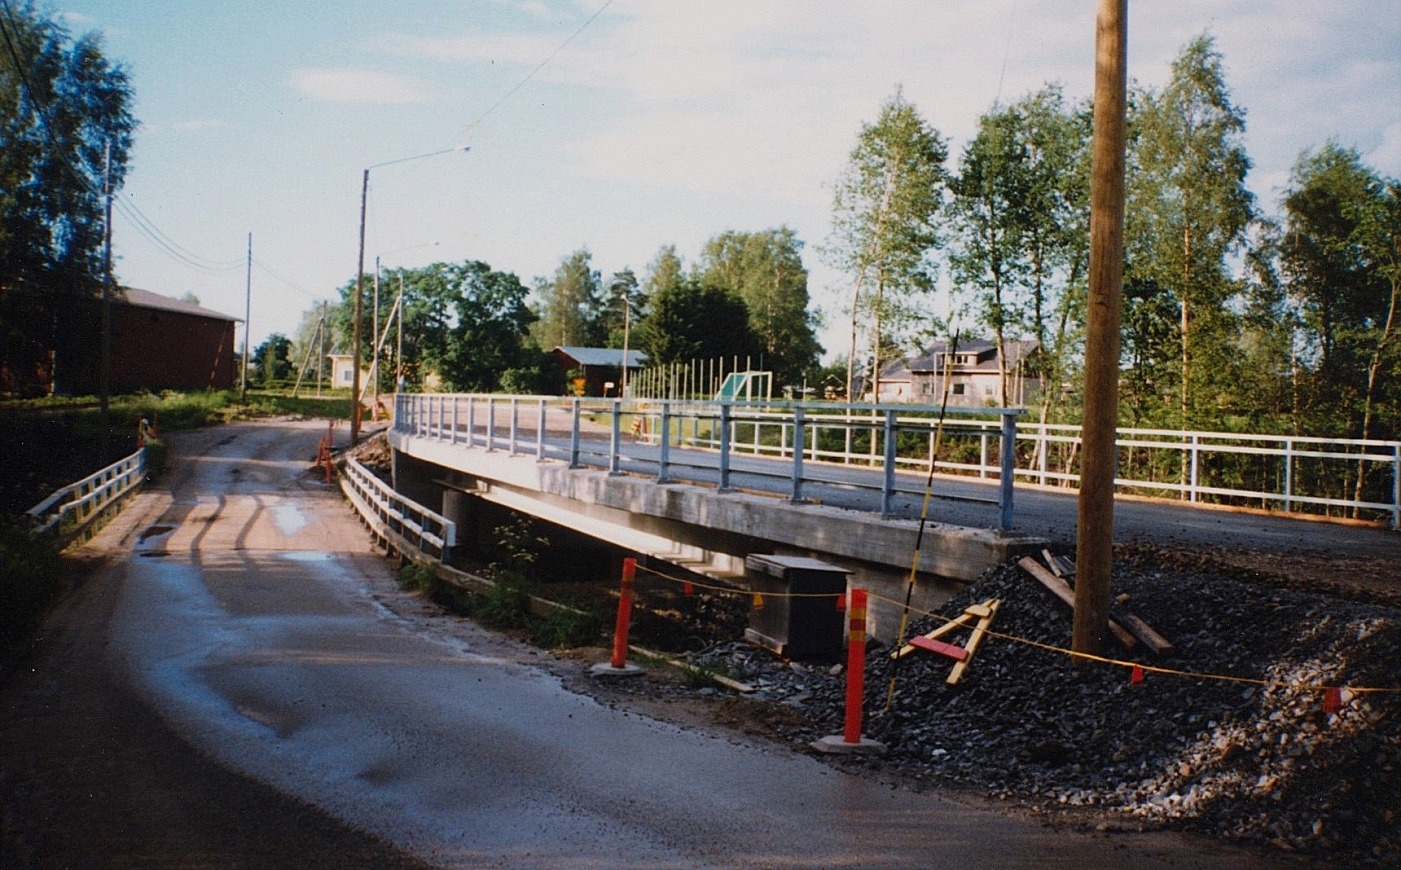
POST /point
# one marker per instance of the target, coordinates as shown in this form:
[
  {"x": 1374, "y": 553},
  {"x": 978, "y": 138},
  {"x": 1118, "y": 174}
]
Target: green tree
[
  {"x": 66, "y": 129},
  {"x": 1342, "y": 269},
  {"x": 1020, "y": 210},
  {"x": 694, "y": 321},
  {"x": 885, "y": 228},
  {"x": 665, "y": 272},
  {"x": 272, "y": 359},
  {"x": 765, "y": 269},
  {"x": 1188, "y": 212},
  {"x": 570, "y": 305},
  {"x": 624, "y": 306},
  {"x": 491, "y": 323}
]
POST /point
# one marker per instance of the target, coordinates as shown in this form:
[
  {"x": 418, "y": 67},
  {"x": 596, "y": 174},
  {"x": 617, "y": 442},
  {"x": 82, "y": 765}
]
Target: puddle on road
[
  {"x": 289, "y": 518},
  {"x": 305, "y": 556}
]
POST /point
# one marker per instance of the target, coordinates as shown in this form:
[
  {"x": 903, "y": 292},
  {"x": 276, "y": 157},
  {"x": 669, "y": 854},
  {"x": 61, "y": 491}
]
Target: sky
[{"x": 624, "y": 126}]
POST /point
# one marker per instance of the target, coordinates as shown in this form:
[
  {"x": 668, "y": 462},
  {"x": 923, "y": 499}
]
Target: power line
[{"x": 542, "y": 65}]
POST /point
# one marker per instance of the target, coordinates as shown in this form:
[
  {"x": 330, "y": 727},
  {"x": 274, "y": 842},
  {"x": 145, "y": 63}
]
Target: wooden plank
[
  {"x": 1062, "y": 590},
  {"x": 1142, "y": 630},
  {"x": 957, "y": 653},
  {"x": 961, "y": 622},
  {"x": 972, "y": 646}
]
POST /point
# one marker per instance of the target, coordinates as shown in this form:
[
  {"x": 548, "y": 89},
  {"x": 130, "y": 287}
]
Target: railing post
[
  {"x": 664, "y": 457},
  {"x": 982, "y": 454},
  {"x": 724, "y": 446},
  {"x": 1288, "y": 474},
  {"x": 1192, "y": 492},
  {"x": 1005, "y": 485},
  {"x": 799, "y": 442},
  {"x": 471, "y": 421},
  {"x": 1396, "y": 488},
  {"x": 490, "y": 423},
  {"x": 456, "y": 400},
  {"x": 615, "y": 440},
  {"x": 887, "y": 494},
  {"x": 540, "y": 431},
  {"x": 574, "y": 434},
  {"x": 1043, "y": 449},
  {"x": 515, "y": 423}
]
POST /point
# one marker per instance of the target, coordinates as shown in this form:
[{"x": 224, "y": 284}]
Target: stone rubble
[{"x": 1261, "y": 762}]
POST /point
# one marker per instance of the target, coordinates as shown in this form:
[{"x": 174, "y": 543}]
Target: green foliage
[
  {"x": 417, "y": 576},
  {"x": 65, "y": 129},
  {"x": 692, "y": 320},
  {"x": 885, "y": 227},
  {"x": 570, "y": 305},
  {"x": 1188, "y": 211},
  {"x": 765, "y": 270},
  {"x": 564, "y": 628},
  {"x": 272, "y": 359},
  {"x": 32, "y": 575}
]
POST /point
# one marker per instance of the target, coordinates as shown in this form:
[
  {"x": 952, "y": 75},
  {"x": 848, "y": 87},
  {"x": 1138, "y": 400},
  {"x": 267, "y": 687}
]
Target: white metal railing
[
  {"x": 1277, "y": 472},
  {"x": 377, "y": 502},
  {"x": 78, "y": 503}
]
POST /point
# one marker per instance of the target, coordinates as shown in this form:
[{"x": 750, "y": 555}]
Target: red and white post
[
  {"x": 850, "y": 740},
  {"x": 618, "y": 666}
]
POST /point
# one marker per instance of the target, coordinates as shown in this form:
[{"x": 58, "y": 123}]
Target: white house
[{"x": 973, "y": 370}]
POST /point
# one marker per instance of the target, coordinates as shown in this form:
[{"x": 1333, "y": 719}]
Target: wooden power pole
[{"x": 1094, "y": 559}]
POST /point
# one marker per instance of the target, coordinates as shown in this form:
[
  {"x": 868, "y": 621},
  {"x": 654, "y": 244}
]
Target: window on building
[{"x": 958, "y": 389}]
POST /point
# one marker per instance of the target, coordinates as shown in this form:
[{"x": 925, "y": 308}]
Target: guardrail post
[
  {"x": 615, "y": 440},
  {"x": 471, "y": 421},
  {"x": 724, "y": 446},
  {"x": 1396, "y": 488},
  {"x": 540, "y": 431},
  {"x": 1192, "y": 492},
  {"x": 887, "y": 494},
  {"x": 982, "y": 454},
  {"x": 490, "y": 423},
  {"x": 1009, "y": 471},
  {"x": 456, "y": 400},
  {"x": 574, "y": 434},
  {"x": 515, "y": 424},
  {"x": 664, "y": 458},
  {"x": 799, "y": 443},
  {"x": 1288, "y": 474}
]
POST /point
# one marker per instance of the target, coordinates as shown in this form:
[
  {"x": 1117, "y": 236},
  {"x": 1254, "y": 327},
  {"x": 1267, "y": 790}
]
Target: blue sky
[{"x": 658, "y": 123}]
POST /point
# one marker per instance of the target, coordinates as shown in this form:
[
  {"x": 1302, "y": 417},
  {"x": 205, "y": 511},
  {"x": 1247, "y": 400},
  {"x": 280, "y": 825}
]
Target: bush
[
  {"x": 30, "y": 578},
  {"x": 565, "y": 628}
]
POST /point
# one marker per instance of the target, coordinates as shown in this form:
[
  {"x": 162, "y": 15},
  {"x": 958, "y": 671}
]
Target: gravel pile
[{"x": 1255, "y": 762}]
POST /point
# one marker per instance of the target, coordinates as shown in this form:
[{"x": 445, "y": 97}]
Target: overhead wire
[{"x": 522, "y": 83}]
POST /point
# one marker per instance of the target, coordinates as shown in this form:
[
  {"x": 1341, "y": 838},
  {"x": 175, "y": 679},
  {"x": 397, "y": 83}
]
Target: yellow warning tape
[{"x": 1105, "y": 660}]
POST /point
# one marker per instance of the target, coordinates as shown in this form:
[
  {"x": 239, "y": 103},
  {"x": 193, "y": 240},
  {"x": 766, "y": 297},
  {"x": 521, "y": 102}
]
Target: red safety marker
[
  {"x": 856, "y": 666},
  {"x": 1332, "y": 700},
  {"x": 1136, "y": 677},
  {"x": 841, "y": 603},
  {"x": 688, "y": 588},
  {"x": 620, "y": 628}
]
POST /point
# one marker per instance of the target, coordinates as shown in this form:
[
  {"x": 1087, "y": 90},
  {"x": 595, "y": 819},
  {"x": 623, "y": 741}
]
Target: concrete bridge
[{"x": 620, "y": 475}]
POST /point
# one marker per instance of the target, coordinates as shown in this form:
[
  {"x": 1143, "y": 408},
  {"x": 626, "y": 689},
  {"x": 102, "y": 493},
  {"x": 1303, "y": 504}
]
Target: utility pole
[
  {"x": 321, "y": 360},
  {"x": 1094, "y": 560},
  {"x": 355, "y": 318},
  {"x": 399, "y": 339},
  {"x": 247, "y": 321},
  {"x": 627, "y": 327},
  {"x": 105, "y": 364},
  {"x": 375, "y": 332}
]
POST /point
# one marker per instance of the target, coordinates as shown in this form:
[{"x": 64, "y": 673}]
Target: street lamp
[{"x": 359, "y": 284}]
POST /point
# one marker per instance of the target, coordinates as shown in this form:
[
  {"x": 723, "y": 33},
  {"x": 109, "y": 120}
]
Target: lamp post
[{"x": 359, "y": 285}]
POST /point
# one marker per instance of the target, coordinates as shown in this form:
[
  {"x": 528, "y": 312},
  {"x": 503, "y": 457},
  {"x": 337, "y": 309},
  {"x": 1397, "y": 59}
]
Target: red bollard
[
  {"x": 855, "y": 665},
  {"x": 620, "y": 628},
  {"x": 619, "y": 666},
  {"x": 851, "y": 739}
]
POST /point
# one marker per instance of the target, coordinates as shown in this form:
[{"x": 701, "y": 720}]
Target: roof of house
[
  {"x": 603, "y": 356},
  {"x": 931, "y": 360},
  {"x": 147, "y": 299}
]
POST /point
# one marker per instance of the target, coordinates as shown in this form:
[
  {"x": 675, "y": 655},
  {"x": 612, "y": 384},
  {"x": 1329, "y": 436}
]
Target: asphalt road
[{"x": 231, "y": 690}]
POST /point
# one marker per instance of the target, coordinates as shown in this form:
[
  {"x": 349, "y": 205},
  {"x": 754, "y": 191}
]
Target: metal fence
[
  {"x": 75, "y": 507},
  {"x": 1295, "y": 474},
  {"x": 430, "y": 532}
]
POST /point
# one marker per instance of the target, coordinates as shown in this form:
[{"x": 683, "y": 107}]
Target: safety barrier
[
  {"x": 1294, "y": 474},
  {"x": 78, "y": 507},
  {"x": 430, "y": 533}
]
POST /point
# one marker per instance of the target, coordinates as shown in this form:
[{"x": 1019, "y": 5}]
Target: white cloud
[{"x": 351, "y": 85}]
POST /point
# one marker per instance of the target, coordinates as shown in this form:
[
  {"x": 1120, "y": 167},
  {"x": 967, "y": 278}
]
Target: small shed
[{"x": 598, "y": 370}]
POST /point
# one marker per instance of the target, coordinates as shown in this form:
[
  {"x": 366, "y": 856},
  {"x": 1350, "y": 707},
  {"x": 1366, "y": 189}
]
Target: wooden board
[
  {"x": 1062, "y": 590},
  {"x": 957, "y": 653}
]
